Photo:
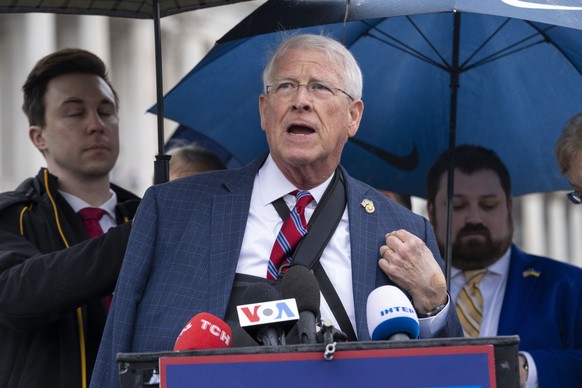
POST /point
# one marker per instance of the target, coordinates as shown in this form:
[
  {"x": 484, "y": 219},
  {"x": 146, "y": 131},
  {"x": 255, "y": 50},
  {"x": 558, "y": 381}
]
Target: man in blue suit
[
  {"x": 192, "y": 237},
  {"x": 537, "y": 298}
]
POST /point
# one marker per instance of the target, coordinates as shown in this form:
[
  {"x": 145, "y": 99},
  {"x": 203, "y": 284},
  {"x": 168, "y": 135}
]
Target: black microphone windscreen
[
  {"x": 300, "y": 283},
  {"x": 259, "y": 292}
]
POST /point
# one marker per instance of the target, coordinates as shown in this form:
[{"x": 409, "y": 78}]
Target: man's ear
[
  {"x": 262, "y": 110},
  {"x": 356, "y": 111},
  {"x": 430, "y": 212},
  {"x": 36, "y": 135}
]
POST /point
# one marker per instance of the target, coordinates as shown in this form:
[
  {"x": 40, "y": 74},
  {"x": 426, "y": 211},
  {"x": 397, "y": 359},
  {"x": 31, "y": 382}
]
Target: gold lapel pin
[
  {"x": 368, "y": 205},
  {"x": 531, "y": 272}
]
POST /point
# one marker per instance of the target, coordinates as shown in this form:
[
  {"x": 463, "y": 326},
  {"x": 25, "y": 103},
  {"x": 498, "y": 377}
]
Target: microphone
[
  {"x": 266, "y": 318},
  {"x": 300, "y": 283},
  {"x": 204, "y": 331},
  {"x": 391, "y": 315}
]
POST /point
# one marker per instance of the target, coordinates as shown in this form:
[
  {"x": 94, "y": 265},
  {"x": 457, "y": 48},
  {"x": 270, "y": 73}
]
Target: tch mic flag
[{"x": 204, "y": 331}]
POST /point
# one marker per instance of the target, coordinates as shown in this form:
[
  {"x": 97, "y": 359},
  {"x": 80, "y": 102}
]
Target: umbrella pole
[
  {"x": 162, "y": 162},
  {"x": 454, "y": 85}
]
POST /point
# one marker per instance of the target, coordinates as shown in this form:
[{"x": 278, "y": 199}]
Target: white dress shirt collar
[
  {"x": 78, "y": 204},
  {"x": 274, "y": 185},
  {"x": 108, "y": 220}
]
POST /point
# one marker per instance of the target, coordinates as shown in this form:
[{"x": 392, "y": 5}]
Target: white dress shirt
[
  {"x": 264, "y": 224},
  {"x": 108, "y": 219},
  {"x": 492, "y": 287}
]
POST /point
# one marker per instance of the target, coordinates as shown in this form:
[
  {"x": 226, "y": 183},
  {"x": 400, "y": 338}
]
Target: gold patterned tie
[{"x": 470, "y": 303}]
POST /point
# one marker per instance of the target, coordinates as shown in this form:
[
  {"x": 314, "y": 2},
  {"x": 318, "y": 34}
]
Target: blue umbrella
[
  {"x": 431, "y": 80},
  {"x": 504, "y": 74}
]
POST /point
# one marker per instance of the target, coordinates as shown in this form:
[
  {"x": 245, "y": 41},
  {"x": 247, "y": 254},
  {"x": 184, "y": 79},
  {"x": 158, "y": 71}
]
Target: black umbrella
[{"x": 137, "y": 9}]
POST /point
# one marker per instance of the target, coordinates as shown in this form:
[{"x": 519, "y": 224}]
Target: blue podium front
[{"x": 451, "y": 362}]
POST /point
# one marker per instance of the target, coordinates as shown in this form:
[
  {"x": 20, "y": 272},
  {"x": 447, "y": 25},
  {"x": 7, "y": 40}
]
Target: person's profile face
[
  {"x": 574, "y": 173},
  {"x": 482, "y": 226},
  {"x": 302, "y": 128},
  {"x": 81, "y": 133}
]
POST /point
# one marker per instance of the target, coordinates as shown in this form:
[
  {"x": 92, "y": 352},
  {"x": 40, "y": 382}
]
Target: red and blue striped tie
[{"x": 293, "y": 229}]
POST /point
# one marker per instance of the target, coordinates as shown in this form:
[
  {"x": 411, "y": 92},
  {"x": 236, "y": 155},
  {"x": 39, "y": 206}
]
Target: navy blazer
[
  {"x": 183, "y": 251},
  {"x": 543, "y": 305}
]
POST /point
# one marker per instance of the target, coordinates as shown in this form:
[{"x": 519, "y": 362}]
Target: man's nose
[
  {"x": 473, "y": 215},
  {"x": 302, "y": 99},
  {"x": 95, "y": 122}
]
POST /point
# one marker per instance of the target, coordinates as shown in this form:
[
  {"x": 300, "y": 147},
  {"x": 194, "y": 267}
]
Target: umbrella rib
[
  {"x": 404, "y": 47},
  {"x": 509, "y": 50},
  {"x": 501, "y": 26},
  {"x": 446, "y": 65},
  {"x": 550, "y": 41},
  {"x": 499, "y": 55},
  {"x": 64, "y": 5},
  {"x": 116, "y": 5}
]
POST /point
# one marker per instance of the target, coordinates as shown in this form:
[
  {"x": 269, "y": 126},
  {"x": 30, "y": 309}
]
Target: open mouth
[{"x": 300, "y": 130}]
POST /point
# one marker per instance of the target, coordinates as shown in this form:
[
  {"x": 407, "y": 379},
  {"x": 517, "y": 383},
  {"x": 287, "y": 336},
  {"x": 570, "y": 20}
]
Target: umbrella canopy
[
  {"x": 277, "y": 15},
  {"x": 138, "y": 9},
  {"x": 431, "y": 80}
]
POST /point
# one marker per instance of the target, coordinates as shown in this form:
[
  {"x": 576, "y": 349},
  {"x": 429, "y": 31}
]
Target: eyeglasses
[
  {"x": 317, "y": 90},
  {"x": 575, "y": 197}
]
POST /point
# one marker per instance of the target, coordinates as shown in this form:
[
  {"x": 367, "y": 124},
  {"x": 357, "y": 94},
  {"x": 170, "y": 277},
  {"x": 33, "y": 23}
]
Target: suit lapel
[
  {"x": 230, "y": 211},
  {"x": 364, "y": 247},
  {"x": 521, "y": 279}
]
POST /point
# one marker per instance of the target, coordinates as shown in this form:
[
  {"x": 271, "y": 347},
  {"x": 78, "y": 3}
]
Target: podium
[{"x": 438, "y": 362}]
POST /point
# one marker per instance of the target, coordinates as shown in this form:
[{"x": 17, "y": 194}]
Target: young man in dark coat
[{"x": 54, "y": 279}]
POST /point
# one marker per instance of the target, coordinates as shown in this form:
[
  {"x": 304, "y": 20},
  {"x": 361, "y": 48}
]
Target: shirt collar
[
  {"x": 274, "y": 185},
  {"x": 78, "y": 204}
]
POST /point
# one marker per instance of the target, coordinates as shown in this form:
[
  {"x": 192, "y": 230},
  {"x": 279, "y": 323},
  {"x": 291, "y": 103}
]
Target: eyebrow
[
  {"x": 485, "y": 196},
  {"x": 311, "y": 79},
  {"x": 76, "y": 100}
]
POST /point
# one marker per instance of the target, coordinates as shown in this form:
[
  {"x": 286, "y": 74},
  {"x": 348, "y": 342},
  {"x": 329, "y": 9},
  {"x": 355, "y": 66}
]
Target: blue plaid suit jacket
[{"x": 183, "y": 251}]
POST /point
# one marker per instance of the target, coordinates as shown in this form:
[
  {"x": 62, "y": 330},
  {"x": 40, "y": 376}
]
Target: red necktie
[
  {"x": 91, "y": 217},
  {"x": 293, "y": 229}
]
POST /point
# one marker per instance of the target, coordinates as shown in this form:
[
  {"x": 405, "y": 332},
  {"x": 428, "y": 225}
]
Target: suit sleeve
[{"x": 118, "y": 334}]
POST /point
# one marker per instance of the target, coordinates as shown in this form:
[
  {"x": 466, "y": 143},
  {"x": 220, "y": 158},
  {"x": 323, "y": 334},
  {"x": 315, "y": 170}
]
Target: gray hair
[
  {"x": 351, "y": 76},
  {"x": 569, "y": 144},
  {"x": 191, "y": 158}
]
